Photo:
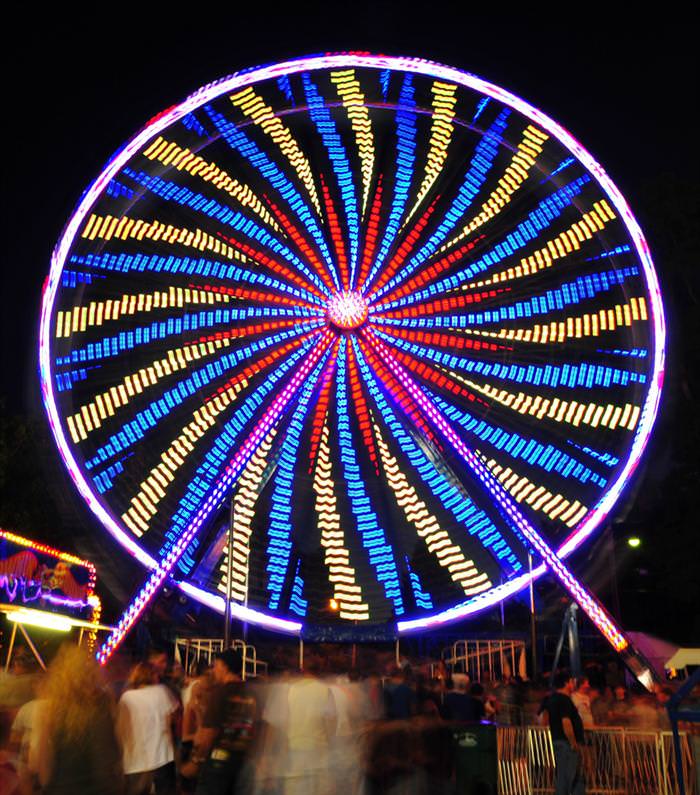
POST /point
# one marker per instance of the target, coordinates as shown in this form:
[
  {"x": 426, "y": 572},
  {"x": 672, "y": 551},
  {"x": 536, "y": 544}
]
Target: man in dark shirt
[
  {"x": 399, "y": 698},
  {"x": 229, "y": 730},
  {"x": 566, "y": 728},
  {"x": 462, "y": 706}
]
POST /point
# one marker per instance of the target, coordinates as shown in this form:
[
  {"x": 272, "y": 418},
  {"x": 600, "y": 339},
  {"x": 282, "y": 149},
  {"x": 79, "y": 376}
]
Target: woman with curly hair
[
  {"x": 146, "y": 717},
  {"x": 77, "y": 748}
]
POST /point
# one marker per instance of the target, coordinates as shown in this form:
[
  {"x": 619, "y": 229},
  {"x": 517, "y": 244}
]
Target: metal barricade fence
[{"x": 615, "y": 761}]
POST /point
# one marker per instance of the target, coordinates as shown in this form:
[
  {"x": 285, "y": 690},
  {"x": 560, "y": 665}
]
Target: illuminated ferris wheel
[{"x": 396, "y": 314}]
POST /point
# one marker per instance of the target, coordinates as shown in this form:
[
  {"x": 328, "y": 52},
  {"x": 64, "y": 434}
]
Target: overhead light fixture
[
  {"x": 40, "y": 618},
  {"x": 634, "y": 542}
]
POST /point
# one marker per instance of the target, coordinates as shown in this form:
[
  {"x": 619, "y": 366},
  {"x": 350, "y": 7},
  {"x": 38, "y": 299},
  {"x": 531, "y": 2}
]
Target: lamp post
[{"x": 229, "y": 575}]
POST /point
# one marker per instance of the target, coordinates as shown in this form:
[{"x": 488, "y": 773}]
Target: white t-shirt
[
  {"x": 24, "y": 729},
  {"x": 311, "y": 706},
  {"x": 144, "y": 728}
]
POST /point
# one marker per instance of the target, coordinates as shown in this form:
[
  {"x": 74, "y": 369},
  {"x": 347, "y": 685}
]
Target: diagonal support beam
[
  {"x": 586, "y": 601},
  {"x": 247, "y": 449}
]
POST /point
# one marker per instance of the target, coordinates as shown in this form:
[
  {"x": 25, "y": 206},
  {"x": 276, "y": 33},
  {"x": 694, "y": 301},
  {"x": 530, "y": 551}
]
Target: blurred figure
[
  {"x": 488, "y": 700},
  {"x": 601, "y": 705},
  {"x": 230, "y": 729},
  {"x": 399, "y": 698},
  {"x": 618, "y": 714},
  {"x": 193, "y": 703},
  {"x": 23, "y": 739},
  {"x": 76, "y": 749},
  {"x": 582, "y": 701},
  {"x": 272, "y": 752},
  {"x": 409, "y": 756},
  {"x": 17, "y": 684},
  {"x": 158, "y": 660},
  {"x": 311, "y": 725},
  {"x": 663, "y": 694},
  {"x": 641, "y": 713},
  {"x": 427, "y": 696},
  {"x": 389, "y": 758},
  {"x": 145, "y": 724},
  {"x": 462, "y": 706},
  {"x": 353, "y": 711}
]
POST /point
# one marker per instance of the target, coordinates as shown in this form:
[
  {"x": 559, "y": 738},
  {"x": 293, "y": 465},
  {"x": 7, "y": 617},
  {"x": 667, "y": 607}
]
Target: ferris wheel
[{"x": 397, "y": 316}]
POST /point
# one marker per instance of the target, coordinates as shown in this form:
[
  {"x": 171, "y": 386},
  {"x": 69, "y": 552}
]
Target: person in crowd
[
  {"x": 618, "y": 714},
  {"x": 158, "y": 660},
  {"x": 601, "y": 703},
  {"x": 642, "y": 713},
  {"x": 428, "y": 695},
  {"x": 399, "y": 698},
  {"x": 463, "y": 706},
  {"x": 76, "y": 749},
  {"x": 566, "y": 728},
  {"x": 193, "y": 697},
  {"x": 509, "y": 704},
  {"x": 582, "y": 701},
  {"x": 226, "y": 740},
  {"x": 146, "y": 718},
  {"x": 23, "y": 739},
  {"x": 353, "y": 713},
  {"x": 662, "y": 695},
  {"x": 482, "y": 708},
  {"x": 311, "y": 725}
]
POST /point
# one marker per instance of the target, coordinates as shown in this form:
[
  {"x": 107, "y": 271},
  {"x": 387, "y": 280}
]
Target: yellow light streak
[
  {"x": 590, "y": 324},
  {"x": 437, "y": 540},
  {"x": 348, "y": 88},
  {"x": 518, "y": 170},
  {"x": 569, "y": 411},
  {"x": 136, "y": 383},
  {"x": 80, "y": 318},
  {"x": 444, "y": 102},
  {"x": 106, "y": 227},
  {"x": 562, "y": 245},
  {"x": 243, "y": 513},
  {"x": 183, "y": 159},
  {"x": 555, "y": 506},
  {"x": 152, "y": 489},
  {"x": 346, "y": 590},
  {"x": 263, "y": 116}
]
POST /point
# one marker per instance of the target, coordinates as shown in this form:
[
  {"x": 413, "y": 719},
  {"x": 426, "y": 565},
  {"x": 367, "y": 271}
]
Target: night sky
[{"x": 626, "y": 87}]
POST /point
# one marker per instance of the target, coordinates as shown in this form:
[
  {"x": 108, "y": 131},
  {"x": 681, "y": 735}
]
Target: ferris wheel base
[{"x": 327, "y": 633}]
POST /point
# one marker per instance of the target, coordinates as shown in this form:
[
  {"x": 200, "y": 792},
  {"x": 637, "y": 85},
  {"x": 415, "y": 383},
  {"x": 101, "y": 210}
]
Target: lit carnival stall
[{"x": 43, "y": 588}]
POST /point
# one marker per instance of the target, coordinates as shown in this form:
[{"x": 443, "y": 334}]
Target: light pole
[
  {"x": 229, "y": 576},
  {"x": 533, "y": 620}
]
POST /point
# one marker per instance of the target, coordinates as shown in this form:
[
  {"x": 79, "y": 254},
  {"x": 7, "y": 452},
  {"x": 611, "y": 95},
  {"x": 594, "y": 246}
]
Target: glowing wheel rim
[{"x": 495, "y": 259}]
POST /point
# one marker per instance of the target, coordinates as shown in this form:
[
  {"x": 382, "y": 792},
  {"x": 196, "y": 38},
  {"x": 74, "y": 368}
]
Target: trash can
[{"x": 477, "y": 759}]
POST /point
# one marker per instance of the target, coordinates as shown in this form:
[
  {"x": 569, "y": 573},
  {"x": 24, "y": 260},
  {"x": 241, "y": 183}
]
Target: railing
[
  {"x": 485, "y": 659},
  {"x": 615, "y": 762},
  {"x": 191, "y": 650}
]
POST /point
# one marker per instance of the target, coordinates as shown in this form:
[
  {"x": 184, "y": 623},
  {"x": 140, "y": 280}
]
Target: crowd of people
[{"x": 151, "y": 728}]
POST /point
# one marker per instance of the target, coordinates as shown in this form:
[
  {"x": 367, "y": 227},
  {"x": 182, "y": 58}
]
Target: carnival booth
[{"x": 43, "y": 588}]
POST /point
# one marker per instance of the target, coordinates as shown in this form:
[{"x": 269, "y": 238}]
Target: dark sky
[{"x": 74, "y": 91}]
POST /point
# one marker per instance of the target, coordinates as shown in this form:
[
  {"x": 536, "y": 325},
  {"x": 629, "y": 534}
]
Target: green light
[{"x": 634, "y": 541}]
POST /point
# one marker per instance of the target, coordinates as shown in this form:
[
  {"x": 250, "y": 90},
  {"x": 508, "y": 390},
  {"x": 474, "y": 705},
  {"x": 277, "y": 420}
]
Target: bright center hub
[{"x": 347, "y": 310}]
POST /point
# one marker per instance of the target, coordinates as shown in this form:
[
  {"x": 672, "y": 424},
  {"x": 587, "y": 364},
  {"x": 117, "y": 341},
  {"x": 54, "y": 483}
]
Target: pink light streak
[
  {"x": 590, "y": 605},
  {"x": 157, "y": 578}
]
